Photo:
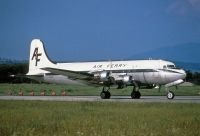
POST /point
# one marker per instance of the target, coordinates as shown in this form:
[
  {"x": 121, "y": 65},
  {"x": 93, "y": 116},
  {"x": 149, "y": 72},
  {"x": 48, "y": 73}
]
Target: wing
[{"x": 87, "y": 78}]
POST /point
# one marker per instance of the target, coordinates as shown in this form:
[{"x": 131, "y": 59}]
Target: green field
[
  {"x": 89, "y": 90},
  {"x": 31, "y": 118}
]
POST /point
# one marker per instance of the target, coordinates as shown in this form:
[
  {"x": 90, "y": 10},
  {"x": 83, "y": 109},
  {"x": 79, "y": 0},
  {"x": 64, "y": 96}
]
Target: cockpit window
[
  {"x": 171, "y": 66},
  {"x": 164, "y": 66}
]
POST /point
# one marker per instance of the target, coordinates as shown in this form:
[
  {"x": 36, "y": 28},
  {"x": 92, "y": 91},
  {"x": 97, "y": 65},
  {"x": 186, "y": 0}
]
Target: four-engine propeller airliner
[{"x": 134, "y": 73}]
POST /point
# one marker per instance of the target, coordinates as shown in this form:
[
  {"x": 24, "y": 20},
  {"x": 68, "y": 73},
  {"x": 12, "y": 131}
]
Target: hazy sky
[{"x": 96, "y": 29}]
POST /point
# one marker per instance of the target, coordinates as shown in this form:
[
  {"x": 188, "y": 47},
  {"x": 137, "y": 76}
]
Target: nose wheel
[{"x": 170, "y": 95}]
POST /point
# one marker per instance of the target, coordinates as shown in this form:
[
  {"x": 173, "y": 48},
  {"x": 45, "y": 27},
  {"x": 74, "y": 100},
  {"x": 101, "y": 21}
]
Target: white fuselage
[{"x": 144, "y": 71}]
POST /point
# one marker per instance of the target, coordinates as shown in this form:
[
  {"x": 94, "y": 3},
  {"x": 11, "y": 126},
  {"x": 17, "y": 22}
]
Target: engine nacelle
[
  {"x": 127, "y": 79},
  {"x": 104, "y": 76}
]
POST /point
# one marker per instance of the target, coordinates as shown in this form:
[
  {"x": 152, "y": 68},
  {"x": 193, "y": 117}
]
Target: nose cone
[{"x": 183, "y": 74}]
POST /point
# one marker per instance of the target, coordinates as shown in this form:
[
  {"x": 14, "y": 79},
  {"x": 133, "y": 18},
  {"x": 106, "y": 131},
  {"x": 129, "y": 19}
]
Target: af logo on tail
[{"x": 36, "y": 55}]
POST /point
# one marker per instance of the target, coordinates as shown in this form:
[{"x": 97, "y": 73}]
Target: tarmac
[{"x": 143, "y": 99}]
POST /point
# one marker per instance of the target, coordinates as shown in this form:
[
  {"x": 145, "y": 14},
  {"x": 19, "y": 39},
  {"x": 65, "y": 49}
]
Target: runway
[{"x": 157, "y": 99}]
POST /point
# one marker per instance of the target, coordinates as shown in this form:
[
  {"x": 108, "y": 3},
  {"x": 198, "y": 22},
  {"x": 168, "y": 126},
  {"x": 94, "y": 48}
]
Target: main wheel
[
  {"x": 170, "y": 95},
  {"x": 105, "y": 95},
  {"x": 108, "y": 95},
  {"x": 135, "y": 95}
]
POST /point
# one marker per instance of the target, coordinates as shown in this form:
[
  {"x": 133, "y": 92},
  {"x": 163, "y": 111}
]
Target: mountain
[
  {"x": 189, "y": 52},
  {"x": 186, "y": 56},
  {"x": 194, "y": 67},
  {"x": 9, "y": 61}
]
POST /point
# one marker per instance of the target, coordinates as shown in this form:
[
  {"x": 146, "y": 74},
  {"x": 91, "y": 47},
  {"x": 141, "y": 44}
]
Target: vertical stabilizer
[{"x": 38, "y": 58}]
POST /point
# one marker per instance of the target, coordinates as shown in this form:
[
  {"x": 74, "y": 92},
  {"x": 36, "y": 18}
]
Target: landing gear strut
[
  {"x": 135, "y": 93},
  {"x": 105, "y": 94}
]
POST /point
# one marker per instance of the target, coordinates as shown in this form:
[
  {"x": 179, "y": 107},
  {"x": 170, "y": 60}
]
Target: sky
[{"x": 84, "y": 30}]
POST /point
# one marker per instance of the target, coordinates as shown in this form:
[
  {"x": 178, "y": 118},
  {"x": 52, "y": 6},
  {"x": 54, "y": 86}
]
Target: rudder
[{"x": 38, "y": 58}]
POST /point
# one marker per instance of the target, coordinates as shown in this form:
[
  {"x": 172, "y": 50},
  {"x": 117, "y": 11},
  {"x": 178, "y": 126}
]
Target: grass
[
  {"x": 43, "y": 118},
  {"x": 89, "y": 90}
]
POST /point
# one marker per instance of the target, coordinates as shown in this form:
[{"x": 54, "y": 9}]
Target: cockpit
[{"x": 170, "y": 67}]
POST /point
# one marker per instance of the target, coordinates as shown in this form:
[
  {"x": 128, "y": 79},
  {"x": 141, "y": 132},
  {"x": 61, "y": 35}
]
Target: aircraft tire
[
  {"x": 105, "y": 95},
  {"x": 170, "y": 95},
  {"x": 135, "y": 95},
  {"x": 108, "y": 95}
]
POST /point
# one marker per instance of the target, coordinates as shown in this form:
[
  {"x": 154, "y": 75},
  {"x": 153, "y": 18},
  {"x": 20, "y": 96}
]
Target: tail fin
[{"x": 38, "y": 58}]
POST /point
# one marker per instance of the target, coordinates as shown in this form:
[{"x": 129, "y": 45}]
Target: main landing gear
[
  {"x": 135, "y": 93},
  {"x": 105, "y": 94}
]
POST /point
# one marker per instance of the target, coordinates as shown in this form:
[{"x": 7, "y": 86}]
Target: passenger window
[{"x": 164, "y": 67}]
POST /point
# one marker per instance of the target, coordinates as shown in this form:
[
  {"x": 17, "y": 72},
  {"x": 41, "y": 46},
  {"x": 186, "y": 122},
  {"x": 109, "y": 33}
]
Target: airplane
[{"x": 136, "y": 73}]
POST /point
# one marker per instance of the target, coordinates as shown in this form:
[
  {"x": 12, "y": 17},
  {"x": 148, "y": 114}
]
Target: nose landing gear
[{"x": 170, "y": 95}]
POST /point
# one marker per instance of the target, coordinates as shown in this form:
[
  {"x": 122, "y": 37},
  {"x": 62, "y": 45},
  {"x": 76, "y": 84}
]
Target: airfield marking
[{"x": 177, "y": 99}]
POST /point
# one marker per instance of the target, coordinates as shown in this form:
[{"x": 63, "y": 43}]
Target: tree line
[
  {"x": 20, "y": 69},
  {"x": 193, "y": 77}
]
